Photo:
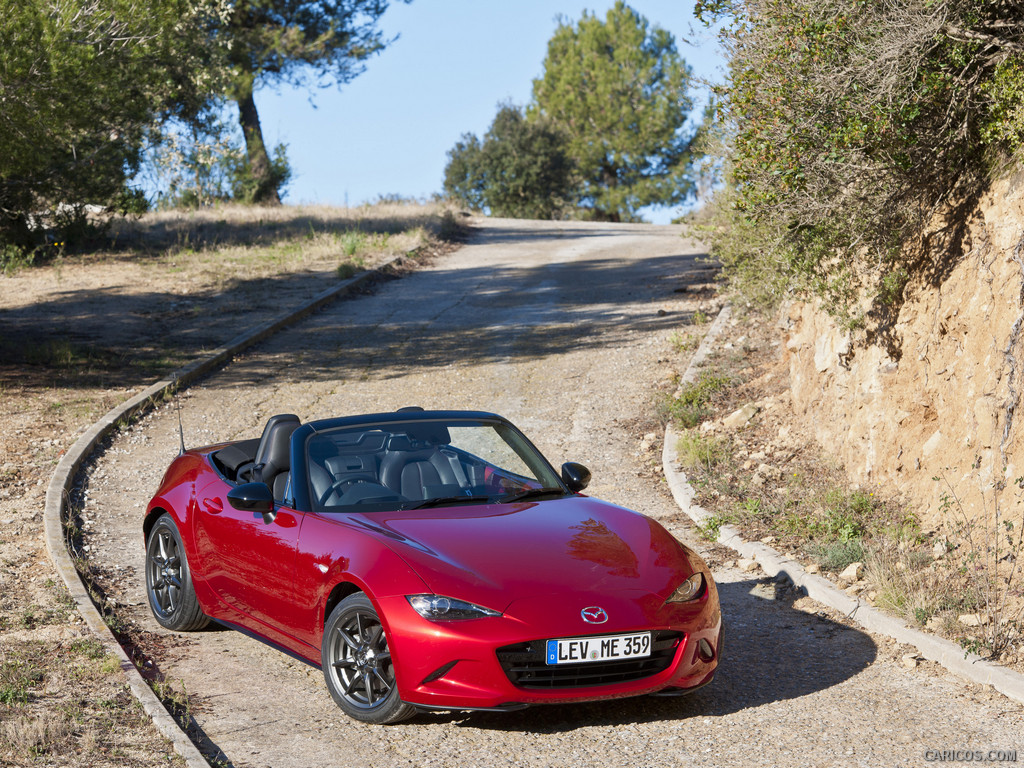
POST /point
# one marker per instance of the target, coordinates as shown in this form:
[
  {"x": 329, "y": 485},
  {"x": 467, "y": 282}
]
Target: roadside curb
[
  {"x": 933, "y": 648},
  {"x": 64, "y": 476}
]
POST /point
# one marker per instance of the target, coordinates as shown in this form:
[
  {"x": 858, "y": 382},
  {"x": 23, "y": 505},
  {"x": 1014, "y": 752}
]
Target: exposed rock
[
  {"x": 853, "y": 572},
  {"x": 740, "y": 417},
  {"x": 910, "y": 660},
  {"x": 747, "y": 565},
  {"x": 973, "y": 619},
  {"x": 941, "y": 411},
  {"x": 813, "y": 568}
]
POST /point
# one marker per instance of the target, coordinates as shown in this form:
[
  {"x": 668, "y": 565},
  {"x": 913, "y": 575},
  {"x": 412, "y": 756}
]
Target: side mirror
[
  {"x": 576, "y": 476},
  {"x": 253, "y": 497}
]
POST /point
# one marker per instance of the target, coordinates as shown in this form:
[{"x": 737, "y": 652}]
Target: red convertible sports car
[{"x": 428, "y": 560}]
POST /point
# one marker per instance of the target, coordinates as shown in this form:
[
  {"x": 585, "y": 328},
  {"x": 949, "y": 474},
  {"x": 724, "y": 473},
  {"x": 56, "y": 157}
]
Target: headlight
[
  {"x": 691, "y": 588},
  {"x": 438, "y": 608}
]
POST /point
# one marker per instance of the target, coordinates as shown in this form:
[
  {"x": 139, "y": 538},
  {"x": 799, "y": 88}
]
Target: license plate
[{"x": 579, "y": 650}]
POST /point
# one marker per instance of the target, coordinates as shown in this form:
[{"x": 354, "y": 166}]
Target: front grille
[{"x": 525, "y": 667}]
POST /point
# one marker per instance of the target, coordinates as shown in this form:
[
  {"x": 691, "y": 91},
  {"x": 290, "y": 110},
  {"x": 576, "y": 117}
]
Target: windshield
[{"x": 415, "y": 464}]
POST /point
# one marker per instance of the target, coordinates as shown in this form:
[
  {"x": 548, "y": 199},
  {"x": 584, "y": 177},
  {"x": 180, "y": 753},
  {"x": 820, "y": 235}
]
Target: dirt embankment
[{"x": 945, "y": 404}]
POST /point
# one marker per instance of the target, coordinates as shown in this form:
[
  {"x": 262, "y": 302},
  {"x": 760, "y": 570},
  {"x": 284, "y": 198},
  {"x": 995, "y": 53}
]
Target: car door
[{"x": 249, "y": 562}]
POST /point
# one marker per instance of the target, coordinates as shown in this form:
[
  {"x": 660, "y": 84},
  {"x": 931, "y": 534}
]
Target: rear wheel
[
  {"x": 357, "y": 664},
  {"x": 169, "y": 581}
]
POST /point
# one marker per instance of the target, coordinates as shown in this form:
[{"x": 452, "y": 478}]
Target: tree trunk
[{"x": 264, "y": 184}]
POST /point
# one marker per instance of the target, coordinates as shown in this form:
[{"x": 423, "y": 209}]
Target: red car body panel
[{"x": 538, "y": 563}]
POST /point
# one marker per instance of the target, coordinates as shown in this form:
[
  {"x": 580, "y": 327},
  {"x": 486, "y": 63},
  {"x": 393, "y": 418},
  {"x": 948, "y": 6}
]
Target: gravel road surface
[{"x": 564, "y": 328}]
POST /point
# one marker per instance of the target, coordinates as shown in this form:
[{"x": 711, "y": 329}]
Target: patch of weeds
[
  {"x": 890, "y": 291},
  {"x": 836, "y": 555},
  {"x": 683, "y": 342},
  {"x": 20, "y": 671},
  {"x": 35, "y": 616},
  {"x": 713, "y": 527},
  {"x": 690, "y": 408},
  {"x": 89, "y": 647},
  {"x": 696, "y": 450},
  {"x": 449, "y": 228},
  {"x": 352, "y": 267},
  {"x": 13, "y": 259},
  {"x": 987, "y": 552},
  {"x": 177, "y": 703},
  {"x": 30, "y": 737},
  {"x": 973, "y": 645},
  {"x": 699, "y": 318},
  {"x": 352, "y": 242}
]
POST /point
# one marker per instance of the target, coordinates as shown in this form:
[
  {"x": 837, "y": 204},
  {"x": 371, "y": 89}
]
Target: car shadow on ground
[{"x": 773, "y": 652}]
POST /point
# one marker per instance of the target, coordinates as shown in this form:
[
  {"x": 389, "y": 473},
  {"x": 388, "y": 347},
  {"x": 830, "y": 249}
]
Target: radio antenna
[{"x": 181, "y": 430}]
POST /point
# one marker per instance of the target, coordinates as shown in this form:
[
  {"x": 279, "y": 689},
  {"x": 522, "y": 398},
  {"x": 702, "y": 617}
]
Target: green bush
[
  {"x": 690, "y": 407},
  {"x": 846, "y": 125}
]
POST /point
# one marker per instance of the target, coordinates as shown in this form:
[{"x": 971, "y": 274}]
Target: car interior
[{"x": 400, "y": 462}]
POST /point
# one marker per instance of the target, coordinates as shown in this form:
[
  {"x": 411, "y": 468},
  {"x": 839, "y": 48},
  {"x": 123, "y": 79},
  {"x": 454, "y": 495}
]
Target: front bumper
[{"x": 485, "y": 663}]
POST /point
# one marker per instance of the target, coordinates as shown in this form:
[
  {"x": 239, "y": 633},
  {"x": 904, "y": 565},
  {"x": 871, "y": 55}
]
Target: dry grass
[{"x": 90, "y": 329}]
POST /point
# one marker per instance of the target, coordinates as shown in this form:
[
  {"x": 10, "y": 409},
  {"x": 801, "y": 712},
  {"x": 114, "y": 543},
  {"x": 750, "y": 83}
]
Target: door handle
[{"x": 213, "y": 506}]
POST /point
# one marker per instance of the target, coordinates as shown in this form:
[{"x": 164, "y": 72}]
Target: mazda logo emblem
[{"x": 594, "y": 615}]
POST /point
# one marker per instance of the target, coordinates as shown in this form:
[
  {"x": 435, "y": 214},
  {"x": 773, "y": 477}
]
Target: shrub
[{"x": 846, "y": 126}]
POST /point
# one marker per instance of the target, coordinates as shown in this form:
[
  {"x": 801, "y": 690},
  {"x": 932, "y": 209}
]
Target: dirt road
[{"x": 564, "y": 328}]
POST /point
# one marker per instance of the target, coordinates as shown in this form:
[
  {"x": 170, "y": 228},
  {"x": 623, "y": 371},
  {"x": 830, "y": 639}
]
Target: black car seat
[
  {"x": 412, "y": 466},
  {"x": 273, "y": 457}
]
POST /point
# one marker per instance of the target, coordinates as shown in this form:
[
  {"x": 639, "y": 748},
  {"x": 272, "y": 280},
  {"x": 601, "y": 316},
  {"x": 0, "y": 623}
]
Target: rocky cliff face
[{"x": 948, "y": 407}]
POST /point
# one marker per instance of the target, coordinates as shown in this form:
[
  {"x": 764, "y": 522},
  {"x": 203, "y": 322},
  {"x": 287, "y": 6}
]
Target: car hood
[{"x": 496, "y": 554}]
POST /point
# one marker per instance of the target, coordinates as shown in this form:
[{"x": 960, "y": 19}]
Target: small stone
[
  {"x": 853, "y": 572},
  {"x": 813, "y": 568},
  {"x": 934, "y": 624},
  {"x": 854, "y": 589},
  {"x": 767, "y": 539},
  {"x": 939, "y": 550},
  {"x": 747, "y": 565},
  {"x": 740, "y": 417},
  {"x": 973, "y": 619},
  {"x": 909, "y": 660}
]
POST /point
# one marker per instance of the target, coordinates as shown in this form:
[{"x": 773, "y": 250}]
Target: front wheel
[
  {"x": 357, "y": 664},
  {"x": 169, "y": 581}
]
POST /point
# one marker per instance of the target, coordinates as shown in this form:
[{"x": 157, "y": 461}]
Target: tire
[
  {"x": 172, "y": 598},
  {"x": 357, "y": 664}
]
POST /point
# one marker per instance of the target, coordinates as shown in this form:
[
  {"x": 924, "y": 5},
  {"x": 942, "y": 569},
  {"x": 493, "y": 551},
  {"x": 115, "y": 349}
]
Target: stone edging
[
  {"x": 931, "y": 647},
  {"x": 63, "y": 477}
]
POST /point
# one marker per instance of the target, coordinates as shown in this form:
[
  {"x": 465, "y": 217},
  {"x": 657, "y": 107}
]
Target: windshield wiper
[
  {"x": 445, "y": 500},
  {"x": 531, "y": 493}
]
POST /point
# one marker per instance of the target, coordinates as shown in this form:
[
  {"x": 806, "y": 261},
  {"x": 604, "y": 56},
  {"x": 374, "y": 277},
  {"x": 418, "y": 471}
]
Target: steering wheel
[{"x": 339, "y": 487}]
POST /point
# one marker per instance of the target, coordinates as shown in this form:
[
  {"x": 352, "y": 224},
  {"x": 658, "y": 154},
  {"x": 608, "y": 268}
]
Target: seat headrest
[{"x": 276, "y": 440}]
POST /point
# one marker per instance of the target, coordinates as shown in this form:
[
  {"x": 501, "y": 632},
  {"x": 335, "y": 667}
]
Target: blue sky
[{"x": 388, "y": 130}]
